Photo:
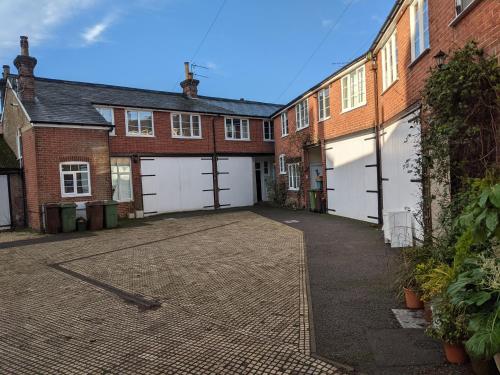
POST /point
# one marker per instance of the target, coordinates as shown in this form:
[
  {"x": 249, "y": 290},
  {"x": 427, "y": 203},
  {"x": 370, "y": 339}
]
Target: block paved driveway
[{"x": 210, "y": 294}]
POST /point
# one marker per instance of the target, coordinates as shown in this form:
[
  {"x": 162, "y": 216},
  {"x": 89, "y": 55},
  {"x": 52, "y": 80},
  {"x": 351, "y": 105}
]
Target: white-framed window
[
  {"x": 75, "y": 179},
  {"x": 19, "y": 144},
  {"x": 140, "y": 123},
  {"x": 293, "y": 176},
  {"x": 389, "y": 62},
  {"x": 268, "y": 128},
  {"x": 461, "y": 5},
  {"x": 185, "y": 125},
  {"x": 354, "y": 89},
  {"x": 324, "y": 104},
  {"x": 419, "y": 27},
  {"x": 121, "y": 179},
  {"x": 302, "y": 114},
  {"x": 237, "y": 129},
  {"x": 284, "y": 124},
  {"x": 109, "y": 116},
  {"x": 282, "y": 164}
]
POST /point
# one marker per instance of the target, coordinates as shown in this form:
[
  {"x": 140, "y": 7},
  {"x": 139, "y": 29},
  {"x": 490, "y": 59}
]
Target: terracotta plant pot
[
  {"x": 428, "y": 312},
  {"x": 413, "y": 301},
  {"x": 455, "y": 353},
  {"x": 484, "y": 367}
]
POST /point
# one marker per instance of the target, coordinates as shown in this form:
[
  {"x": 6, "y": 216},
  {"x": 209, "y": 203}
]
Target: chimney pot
[
  {"x": 25, "y": 49},
  {"x": 186, "y": 69},
  {"x": 6, "y": 71}
]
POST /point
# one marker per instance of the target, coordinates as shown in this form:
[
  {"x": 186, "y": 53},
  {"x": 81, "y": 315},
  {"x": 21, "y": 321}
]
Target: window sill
[
  {"x": 140, "y": 135},
  {"x": 292, "y": 189},
  {"x": 353, "y": 108},
  {"x": 284, "y": 135},
  {"x": 425, "y": 52},
  {"x": 455, "y": 21},
  {"x": 181, "y": 137},
  {"x": 75, "y": 195},
  {"x": 324, "y": 119},
  {"x": 389, "y": 87},
  {"x": 283, "y": 173},
  {"x": 269, "y": 140},
  {"x": 237, "y": 140},
  {"x": 299, "y": 129}
]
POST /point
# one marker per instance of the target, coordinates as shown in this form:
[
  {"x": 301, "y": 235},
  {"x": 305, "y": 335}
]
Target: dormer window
[{"x": 107, "y": 113}]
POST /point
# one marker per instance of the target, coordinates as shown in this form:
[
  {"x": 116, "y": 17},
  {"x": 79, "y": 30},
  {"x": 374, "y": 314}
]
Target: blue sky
[{"x": 254, "y": 50}]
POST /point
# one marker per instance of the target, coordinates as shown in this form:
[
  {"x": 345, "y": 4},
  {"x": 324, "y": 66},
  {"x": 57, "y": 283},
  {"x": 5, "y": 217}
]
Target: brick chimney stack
[
  {"x": 25, "y": 65},
  {"x": 189, "y": 85},
  {"x": 6, "y": 71}
]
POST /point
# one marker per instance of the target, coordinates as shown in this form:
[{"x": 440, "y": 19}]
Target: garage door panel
[
  {"x": 236, "y": 180},
  {"x": 352, "y": 183}
]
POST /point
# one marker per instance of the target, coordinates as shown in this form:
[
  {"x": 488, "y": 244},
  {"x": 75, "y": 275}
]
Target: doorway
[{"x": 258, "y": 181}]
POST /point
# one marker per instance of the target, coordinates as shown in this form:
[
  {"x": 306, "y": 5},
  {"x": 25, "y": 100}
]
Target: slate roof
[
  {"x": 8, "y": 160},
  {"x": 68, "y": 102}
]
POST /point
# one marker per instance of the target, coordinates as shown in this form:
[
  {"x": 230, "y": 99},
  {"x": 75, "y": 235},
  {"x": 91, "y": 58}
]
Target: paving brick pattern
[{"x": 232, "y": 291}]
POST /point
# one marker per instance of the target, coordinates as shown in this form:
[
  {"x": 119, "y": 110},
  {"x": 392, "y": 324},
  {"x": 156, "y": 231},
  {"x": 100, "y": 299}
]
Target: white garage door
[
  {"x": 171, "y": 184},
  {"x": 4, "y": 202},
  {"x": 352, "y": 177},
  {"x": 235, "y": 181},
  {"x": 401, "y": 187}
]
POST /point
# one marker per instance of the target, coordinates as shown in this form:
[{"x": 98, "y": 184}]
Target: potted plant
[
  {"x": 449, "y": 326},
  {"x": 477, "y": 290},
  {"x": 406, "y": 278}
]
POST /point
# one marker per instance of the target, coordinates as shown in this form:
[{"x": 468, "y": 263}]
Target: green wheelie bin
[
  {"x": 110, "y": 214},
  {"x": 68, "y": 217}
]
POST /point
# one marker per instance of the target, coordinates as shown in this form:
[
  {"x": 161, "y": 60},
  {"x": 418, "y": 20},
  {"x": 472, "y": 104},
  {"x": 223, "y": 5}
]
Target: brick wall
[
  {"x": 163, "y": 143},
  {"x": 53, "y": 146}
]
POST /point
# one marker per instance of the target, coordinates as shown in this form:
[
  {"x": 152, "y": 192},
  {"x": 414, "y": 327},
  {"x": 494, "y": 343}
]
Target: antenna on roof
[{"x": 194, "y": 66}]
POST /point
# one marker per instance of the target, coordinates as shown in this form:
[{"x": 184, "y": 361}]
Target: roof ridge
[{"x": 104, "y": 85}]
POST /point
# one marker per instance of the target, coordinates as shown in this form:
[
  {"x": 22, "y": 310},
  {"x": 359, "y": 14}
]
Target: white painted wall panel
[
  {"x": 351, "y": 179},
  {"x": 400, "y": 143},
  {"x": 178, "y": 183},
  {"x": 239, "y": 180},
  {"x": 4, "y": 202}
]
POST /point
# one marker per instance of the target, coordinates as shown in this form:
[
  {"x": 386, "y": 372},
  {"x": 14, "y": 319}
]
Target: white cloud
[{"x": 94, "y": 33}]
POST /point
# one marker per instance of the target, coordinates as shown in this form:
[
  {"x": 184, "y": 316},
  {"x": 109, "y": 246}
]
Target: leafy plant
[
  {"x": 477, "y": 291},
  {"x": 448, "y": 322},
  {"x": 410, "y": 258},
  {"x": 433, "y": 277}
]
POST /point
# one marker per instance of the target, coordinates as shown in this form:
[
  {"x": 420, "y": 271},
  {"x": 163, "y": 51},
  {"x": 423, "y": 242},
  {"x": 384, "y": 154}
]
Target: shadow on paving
[{"x": 351, "y": 274}]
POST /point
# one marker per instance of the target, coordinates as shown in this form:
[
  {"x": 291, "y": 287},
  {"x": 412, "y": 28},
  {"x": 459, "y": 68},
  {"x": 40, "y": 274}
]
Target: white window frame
[
  {"x": 282, "y": 163},
  {"x": 131, "y": 199},
  {"x": 139, "y": 123},
  {"x": 99, "y": 108},
  {"x": 417, "y": 28},
  {"x": 293, "y": 176},
  {"x": 302, "y": 114},
  {"x": 349, "y": 92},
  {"x": 19, "y": 145},
  {"x": 191, "y": 115},
  {"x": 284, "y": 124},
  {"x": 390, "y": 62},
  {"x": 459, "y": 3},
  {"x": 324, "y": 109},
  {"x": 61, "y": 177},
  {"x": 270, "y": 124},
  {"x": 232, "y": 138}
]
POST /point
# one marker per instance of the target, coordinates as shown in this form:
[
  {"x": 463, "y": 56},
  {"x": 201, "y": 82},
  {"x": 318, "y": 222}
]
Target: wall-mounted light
[{"x": 440, "y": 58}]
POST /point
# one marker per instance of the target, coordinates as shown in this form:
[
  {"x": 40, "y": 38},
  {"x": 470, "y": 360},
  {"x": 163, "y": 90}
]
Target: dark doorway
[{"x": 258, "y": 182}]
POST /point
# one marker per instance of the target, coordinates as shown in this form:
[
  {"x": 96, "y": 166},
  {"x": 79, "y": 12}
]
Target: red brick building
[
  {"x": 151, "y": 151},
  {"x": 360, "y": 121},
  {"x": 351, "y": 136}
]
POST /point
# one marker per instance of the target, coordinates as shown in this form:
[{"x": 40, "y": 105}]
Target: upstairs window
[
  {"x": 109, "y": 116},
  {"x": 419, "y": 25},
  {"x": 75, "y": 179},
  {"x": 302, "y": 114},
  {"x": 140, "y": 123},
  {"x": 268, "y": 130},
  {"x": 354, "y": 89},
  {"x": 282, "y": 164},
  {"x": 324, "y": 104},
  {"x": 284, "y": 124},
  {"x": 293, "y": 176},
  {"x": 461, "y": 5},
  {"x": 237, "y": 129},
  {"x": 389, "y": 62},
  {"x": 186, "y": 126}
]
